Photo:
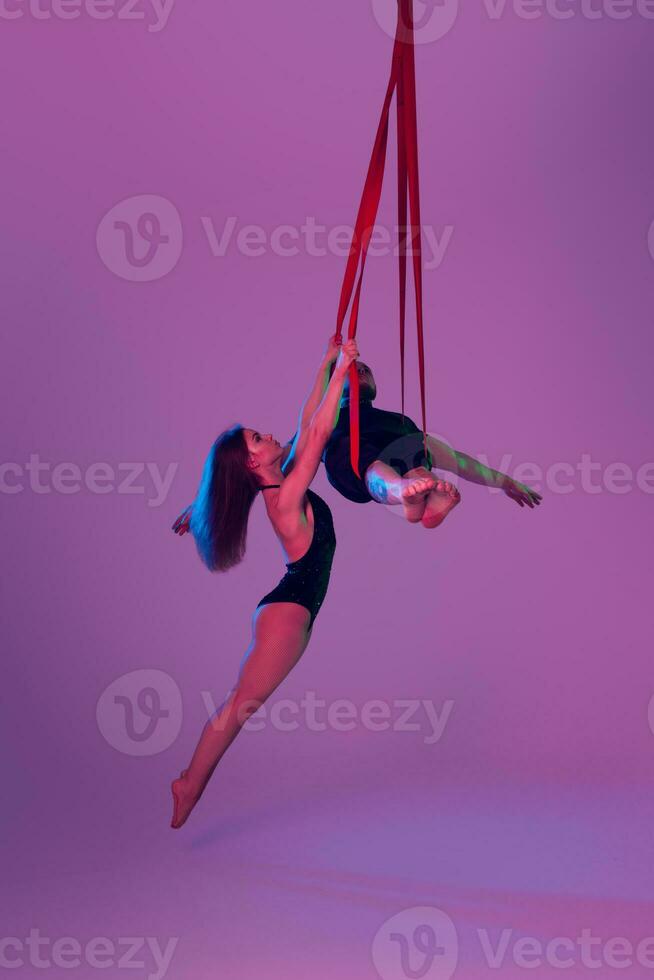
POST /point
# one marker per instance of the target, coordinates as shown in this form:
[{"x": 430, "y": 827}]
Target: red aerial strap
[
  {"x": 411, "y": 134},
  {"x": 402, "y": 76},
  {"x": 401, "y": 217}
]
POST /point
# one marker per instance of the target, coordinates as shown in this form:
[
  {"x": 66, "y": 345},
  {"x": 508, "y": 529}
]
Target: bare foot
[
  {"x": 415, "y": 491},
  {"x": 185, "y": 798},
  {"x": 439, "y": 503}
]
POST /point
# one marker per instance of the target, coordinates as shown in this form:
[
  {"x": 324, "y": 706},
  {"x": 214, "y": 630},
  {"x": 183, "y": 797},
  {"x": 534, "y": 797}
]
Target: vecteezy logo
[
  {"x": 140, "y": 239},
  {"x": 432, "y": 19},
  {"x": 140, "y": 713},
  {"x": 416, "y": 943}
]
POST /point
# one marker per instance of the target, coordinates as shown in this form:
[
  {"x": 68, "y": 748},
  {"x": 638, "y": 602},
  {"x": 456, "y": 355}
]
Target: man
[
  {"x": 393, "y": 463},
  {"x": 392, "y": 460}
]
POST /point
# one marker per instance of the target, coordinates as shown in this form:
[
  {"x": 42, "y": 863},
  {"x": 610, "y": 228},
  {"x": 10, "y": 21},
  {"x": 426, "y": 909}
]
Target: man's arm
[{"x": 446, "y": 458}]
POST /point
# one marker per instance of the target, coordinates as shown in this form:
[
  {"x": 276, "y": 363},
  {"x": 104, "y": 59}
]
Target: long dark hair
[{"x": 219, "y": 516}]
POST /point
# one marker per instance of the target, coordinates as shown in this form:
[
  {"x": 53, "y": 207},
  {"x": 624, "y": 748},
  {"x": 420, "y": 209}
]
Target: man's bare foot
[
  {"x": 185, "y": 798},
  {"x": 415, "y": 491},
  {"x": 439, "y": 503}
]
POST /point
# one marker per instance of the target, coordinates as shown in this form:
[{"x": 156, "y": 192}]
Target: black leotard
[{"x": 306, "y": 579}]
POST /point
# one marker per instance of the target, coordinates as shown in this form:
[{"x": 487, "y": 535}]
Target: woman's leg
[{"x": 280, "y": 637}]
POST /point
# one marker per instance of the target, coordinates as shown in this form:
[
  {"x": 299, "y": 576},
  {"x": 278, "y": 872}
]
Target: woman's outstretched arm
[
  {"x": 321, "y": 382},
  {"x": 319, "y": 430}
]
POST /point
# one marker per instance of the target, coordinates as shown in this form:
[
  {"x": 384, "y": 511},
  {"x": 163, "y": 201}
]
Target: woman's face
[{"x": 263, "y": 449}]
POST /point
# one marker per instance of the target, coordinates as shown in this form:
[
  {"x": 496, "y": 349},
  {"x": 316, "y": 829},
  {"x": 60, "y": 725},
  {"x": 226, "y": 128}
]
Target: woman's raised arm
[
  {"x": 318, "y": 432},
  {"x": 311, "y": 404}
]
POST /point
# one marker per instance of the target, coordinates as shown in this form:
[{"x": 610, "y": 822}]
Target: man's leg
[
  {"x": 436, "y": 505},
  {"x": 386, "y": 486},
  {"x": 415, "y": 509},
  {"x": 439, "y": 503}
]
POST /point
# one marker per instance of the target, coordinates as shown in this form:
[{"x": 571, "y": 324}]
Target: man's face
[{"x": 367, "y": 386}]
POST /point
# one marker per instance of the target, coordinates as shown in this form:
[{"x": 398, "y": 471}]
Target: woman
[{"x": 242, "y": 462}]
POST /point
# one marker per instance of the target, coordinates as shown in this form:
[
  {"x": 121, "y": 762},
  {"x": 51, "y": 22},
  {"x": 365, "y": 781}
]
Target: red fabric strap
[{"x": 402, "y": 77}]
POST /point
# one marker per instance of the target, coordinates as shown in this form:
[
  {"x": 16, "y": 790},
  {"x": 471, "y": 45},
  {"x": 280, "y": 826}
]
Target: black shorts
[{"x": 403, "y": 452}]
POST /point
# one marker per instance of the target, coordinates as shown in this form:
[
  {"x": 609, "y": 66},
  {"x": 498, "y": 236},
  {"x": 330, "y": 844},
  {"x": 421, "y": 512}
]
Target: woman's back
[{"x": 307, "y": 532}]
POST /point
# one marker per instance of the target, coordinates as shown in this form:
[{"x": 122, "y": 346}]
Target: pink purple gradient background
[{"x": 534, "y": 810}]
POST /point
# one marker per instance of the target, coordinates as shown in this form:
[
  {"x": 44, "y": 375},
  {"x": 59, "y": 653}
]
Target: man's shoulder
[{"x": 381, "y": 417}]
